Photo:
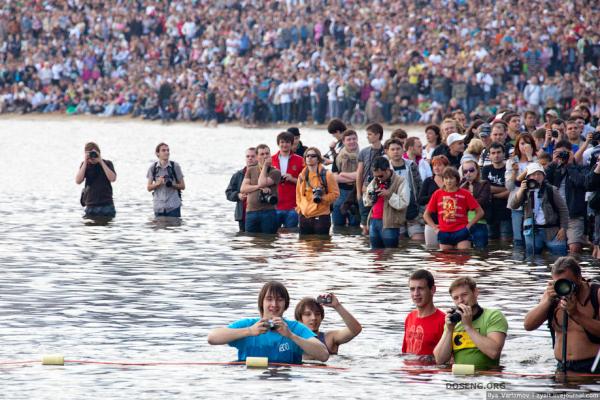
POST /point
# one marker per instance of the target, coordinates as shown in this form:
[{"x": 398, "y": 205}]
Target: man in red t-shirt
[
  {"x": 424, "y": 326},
  {"x": 290, "y": 165}
]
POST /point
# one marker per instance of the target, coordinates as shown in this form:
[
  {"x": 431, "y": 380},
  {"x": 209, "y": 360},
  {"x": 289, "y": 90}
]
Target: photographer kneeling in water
[
  {"x": 580, "y": 299},
  {"x": 271, "y": 335},
  {"x": 311, "y": 313}
]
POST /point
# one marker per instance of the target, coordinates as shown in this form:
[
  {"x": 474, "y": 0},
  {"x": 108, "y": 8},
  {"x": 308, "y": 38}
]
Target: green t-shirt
[{"x": 465, "y": 351}]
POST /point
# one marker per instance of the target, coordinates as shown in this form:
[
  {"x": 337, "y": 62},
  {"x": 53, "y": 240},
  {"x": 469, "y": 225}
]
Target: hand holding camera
[
  {"x": 258, "y": 328},
  {"x": 328, "y": 300},
  {"x": 92, "y": 155},
  {"x": 281, "y": 327}
]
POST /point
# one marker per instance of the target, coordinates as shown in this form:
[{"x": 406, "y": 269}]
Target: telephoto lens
[{"x": 564, "y": 287}]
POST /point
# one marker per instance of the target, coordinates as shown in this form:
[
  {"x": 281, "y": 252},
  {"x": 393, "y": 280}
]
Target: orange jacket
[{"x": 304, "y": 197}]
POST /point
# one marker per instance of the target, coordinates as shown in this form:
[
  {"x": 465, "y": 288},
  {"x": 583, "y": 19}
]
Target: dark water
[{"x": 140, "y": 291}]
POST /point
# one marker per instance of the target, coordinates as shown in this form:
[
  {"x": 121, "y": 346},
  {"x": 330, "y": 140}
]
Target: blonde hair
[{"x": 475, "y": 147}]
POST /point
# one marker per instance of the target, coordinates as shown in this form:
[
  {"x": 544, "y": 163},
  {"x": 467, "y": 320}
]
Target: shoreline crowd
[{"x": 297, "y": 61}]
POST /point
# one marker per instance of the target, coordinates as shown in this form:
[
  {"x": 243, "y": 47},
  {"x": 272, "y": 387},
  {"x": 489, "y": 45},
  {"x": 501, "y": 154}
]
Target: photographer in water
[
  {"x": 569, "y": 291},
  {"x": 569, "y": 178},
  {"x": 272, "y": 336},
  {"x": 260, "y": 184},
  {"x": 165, "y": 181},
  {"x": 546, "y": 217},
  {"x": 473, "y": 335},
  {"x": 97, "y": 195},
  {"x": 316, "y": 191},
  {"x": 387, "y": 196}
]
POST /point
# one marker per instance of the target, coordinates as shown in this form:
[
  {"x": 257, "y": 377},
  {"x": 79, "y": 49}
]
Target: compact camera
[
  {"x": 325, "y": 299},
  {"x": 270, "y": 324},
  {"x": 455, "y": 316}
]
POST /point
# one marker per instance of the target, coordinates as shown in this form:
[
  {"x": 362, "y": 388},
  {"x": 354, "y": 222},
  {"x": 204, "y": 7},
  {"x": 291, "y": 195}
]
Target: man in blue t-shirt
[{"x": 272, "y": 336}]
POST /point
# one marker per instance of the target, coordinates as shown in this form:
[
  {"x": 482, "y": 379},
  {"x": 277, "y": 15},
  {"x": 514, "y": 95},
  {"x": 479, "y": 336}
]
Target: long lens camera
[
  {"x": 532, "y": 184},
  {"x": 317, "y": 195},
  {"x": 564, "y": 287},
  {"x": 268, "y": 198}
]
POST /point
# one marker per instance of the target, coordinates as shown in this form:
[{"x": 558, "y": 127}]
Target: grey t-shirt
[
  {"x": 366, "y": 156},
  {"x": 165, "y": 198}
]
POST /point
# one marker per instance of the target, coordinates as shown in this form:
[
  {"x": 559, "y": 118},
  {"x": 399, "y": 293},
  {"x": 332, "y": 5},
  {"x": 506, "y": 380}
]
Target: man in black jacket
[
  {"x": 233, "y": 190},
  {"x": 569, "y": 178}
]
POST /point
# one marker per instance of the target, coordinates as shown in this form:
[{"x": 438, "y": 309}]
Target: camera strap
[{"x": 323, "y": 177}]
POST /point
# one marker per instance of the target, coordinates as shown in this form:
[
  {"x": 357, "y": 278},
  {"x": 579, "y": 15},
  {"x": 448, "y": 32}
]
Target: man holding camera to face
[
  {"x": 387, "y": 196},
  {"x": 260, "y": 184},
  {"x": 472, "y": 334},
  {"x": 569, "y": 178},
  {"x": 97, "y": 195},
  {"x": 546, "y": 216},
  {"x": 569, "y": 292},
  {"x": 165, "y": 181}
]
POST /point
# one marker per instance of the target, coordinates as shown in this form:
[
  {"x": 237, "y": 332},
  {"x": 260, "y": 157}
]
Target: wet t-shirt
[
  {"x": 452, "y": 208},
  {"x": 253, "y": 202},
  {"x": 99, "y": 190}
]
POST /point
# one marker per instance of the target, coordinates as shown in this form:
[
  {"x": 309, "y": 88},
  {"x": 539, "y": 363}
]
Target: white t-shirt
[{"x": 283, "y": 163}]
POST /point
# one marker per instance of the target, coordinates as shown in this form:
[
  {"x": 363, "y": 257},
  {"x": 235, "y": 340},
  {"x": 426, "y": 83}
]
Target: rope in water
[{"x": 310, "y": 366}]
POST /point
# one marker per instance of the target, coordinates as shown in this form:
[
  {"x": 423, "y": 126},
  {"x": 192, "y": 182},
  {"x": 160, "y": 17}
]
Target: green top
[{"x": 465, "y": 351}]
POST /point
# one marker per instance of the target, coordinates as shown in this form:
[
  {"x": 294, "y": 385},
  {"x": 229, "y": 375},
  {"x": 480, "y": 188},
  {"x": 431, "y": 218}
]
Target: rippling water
[{"x": 140, "y": 291}]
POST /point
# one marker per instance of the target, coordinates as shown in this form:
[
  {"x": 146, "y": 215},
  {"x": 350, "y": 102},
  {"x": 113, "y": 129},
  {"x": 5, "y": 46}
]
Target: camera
[
  {"x": 268, "y": 198},
  {"x": 532, "y": 184},
  {"x": 596, "y": 136},
  {"x": 373, "y": 195},
  {"x": 564, "y": 287},
  {"x": 327, "y": 299},
  {"x": 455, "y": 316},
  {"x": 168, "y": 182},
  {"x": 270, "y": 324},
  {"x": 93, "y": 154},
  {"x": 555, "y": 133},
  {"x": 563, "y": 155},
  {"x": 317, "y": 195}
]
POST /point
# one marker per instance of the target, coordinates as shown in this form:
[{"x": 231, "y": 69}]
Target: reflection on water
[{"x": 144, "y": 289}]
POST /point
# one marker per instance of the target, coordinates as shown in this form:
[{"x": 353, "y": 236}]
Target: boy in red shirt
[
  {"x": 290, "y": 165},
  {"x": 452, "y": 203},
  {"x": 424, "y": 326}
]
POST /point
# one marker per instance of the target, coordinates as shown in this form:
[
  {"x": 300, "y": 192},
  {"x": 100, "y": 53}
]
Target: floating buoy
[
  {"x": 463, "y": 369},
  {"x": 257, "y": 362},
  {"x": 53, "y": 359}
]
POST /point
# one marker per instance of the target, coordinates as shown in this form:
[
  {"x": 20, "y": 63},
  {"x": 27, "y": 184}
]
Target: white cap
[
  {"x": 535, "y": 167},
  {"x": 454, "y": 137}
]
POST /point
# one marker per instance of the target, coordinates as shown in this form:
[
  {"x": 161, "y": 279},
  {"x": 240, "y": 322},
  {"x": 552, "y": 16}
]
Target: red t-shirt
[
  {"x": 287, "y": 190},
  {"x": 377, "y": 212},
  {"x": 421, "y": 335},
  {"x": 452, "y": 208}
]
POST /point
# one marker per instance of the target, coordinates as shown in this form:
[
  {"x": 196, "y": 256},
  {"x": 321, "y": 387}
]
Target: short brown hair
[
  {"x": 399, "y": 134},
  {"x": 89, "y": 146},
  {"x": 349, "y": 132},
  {"x": 311, "y": 304},
  {"x": 286, "y": 136},
  {"x": 392, "y": 141},
  {"x": 275, "y": 288},
  {"x": 376, "y": 128},
  {"x": 158, "y": 146},
  {"x": 262, "y": 146},
  {"x": 451, "y": 172},
  {"x": 464, "y": 281}
]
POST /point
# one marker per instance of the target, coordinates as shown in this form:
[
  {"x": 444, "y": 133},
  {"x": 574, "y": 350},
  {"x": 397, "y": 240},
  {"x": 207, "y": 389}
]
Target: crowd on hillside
[{"x": 297, "y": 61}]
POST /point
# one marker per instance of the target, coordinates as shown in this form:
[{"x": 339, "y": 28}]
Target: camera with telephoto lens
[
  {"x": 555, "y": 133},
  {"x": 455, "y": 316},
  {"x": 317, "y": 195},
  {"x": 327, "y": 299},
  {"x": 168, "y": 181},
  {"x": 374, "y": 194},
  {"x": 268, "y": 198},
  {"x": 270, "y": 324},
  {"x": 532, "y": 184},
  {"x": 93, "y": 154},
  {"x": 564, "y": 287}
]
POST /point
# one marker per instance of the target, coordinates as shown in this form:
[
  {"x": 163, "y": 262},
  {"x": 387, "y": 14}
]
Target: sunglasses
[
  {"x": 311, "y": 156},
  {"x": 469, "y": 171}
]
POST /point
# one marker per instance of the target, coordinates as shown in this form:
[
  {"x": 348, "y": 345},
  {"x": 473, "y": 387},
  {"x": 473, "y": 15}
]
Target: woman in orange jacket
[{"x": 316, "y": 191}]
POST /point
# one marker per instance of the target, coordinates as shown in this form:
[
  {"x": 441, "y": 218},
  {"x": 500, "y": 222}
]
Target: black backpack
[{"x": 170, "y": 171}]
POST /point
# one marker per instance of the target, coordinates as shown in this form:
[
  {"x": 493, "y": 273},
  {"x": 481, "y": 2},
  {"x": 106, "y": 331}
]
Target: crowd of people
[
  {"x": 468, "y": 334},
  {"x": 298, "y": 61}
]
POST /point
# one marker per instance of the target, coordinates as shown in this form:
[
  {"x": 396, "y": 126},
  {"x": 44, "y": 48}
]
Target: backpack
[
  {"x": 594, "y": 289},
  {"x": 170, "y": 171}
]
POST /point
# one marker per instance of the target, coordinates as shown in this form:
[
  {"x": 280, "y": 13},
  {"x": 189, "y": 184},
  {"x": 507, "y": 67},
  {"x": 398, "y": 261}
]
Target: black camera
[
  {"x": 168, "y": 182},
  {"x": 268, "y": 198},
  {"x": 317, "y": 195},
  {"x": 564, "y": 287},
  {"x": 327, "y": 299},
  {"x": 93, "y": 154},
  {"x": 270, "y": 324},
  {"x": 563, "y": 155},
  {"x": 596, "y": 136},
  {"x": 373, "y": 195},
  {"x": 555, "y": 133},
  {"x": 532, "y": 184},
  {"x": 455, "y": 316}
]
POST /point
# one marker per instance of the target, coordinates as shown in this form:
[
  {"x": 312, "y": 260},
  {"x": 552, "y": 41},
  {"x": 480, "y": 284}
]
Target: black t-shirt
[
  {"x": 496, "y": 178},
  {"x": 99, "y": 189}
]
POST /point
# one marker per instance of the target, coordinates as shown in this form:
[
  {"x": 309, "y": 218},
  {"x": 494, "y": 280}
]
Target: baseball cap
[
  {"x": 485, "y": 130},
  {"x": 454, "y": 137},
  {"x": 535, "y": 167}
]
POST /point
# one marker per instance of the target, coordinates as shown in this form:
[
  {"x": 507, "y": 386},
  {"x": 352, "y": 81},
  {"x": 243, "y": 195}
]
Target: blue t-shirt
[{"x": 271, "y": 344}]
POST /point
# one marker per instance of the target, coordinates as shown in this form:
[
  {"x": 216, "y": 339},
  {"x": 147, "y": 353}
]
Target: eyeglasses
[
  {"x": 469, "y": 171},
  {"x": 311, "y": 156}
]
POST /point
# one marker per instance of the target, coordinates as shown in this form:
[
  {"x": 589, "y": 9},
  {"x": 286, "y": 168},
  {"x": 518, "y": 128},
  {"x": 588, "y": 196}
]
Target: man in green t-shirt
[{"x": 478, "y": 337}]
